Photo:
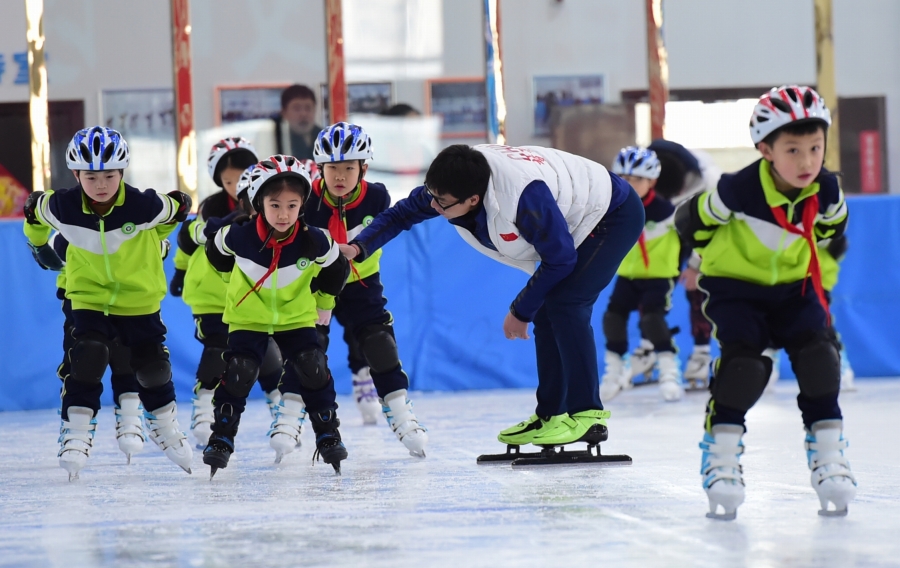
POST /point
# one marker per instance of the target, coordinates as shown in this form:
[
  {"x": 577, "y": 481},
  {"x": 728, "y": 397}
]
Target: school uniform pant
[{"x": 646, "y": 296}]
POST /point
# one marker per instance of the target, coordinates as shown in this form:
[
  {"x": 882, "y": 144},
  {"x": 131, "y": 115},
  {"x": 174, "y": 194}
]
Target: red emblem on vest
[{"x": 509, "y": 237}]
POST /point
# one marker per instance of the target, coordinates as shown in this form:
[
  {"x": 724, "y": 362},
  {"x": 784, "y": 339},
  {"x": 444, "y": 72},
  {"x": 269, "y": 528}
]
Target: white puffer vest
[{"x": 582, "y": 190}]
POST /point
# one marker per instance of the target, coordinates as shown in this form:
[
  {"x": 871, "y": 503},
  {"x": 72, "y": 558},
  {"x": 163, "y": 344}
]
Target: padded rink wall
[{"x": 448, "y": 303}]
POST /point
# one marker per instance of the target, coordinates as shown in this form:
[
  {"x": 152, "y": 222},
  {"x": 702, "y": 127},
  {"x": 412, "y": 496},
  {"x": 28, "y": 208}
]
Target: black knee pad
[
  {"x": 150, "y": 362},
  {"x": 89, "y": 358},
  {"x": 741, "y": 377},
  {"x": 312, "y": 369},
  {"x": 380, "y": 348},
  {"x": 817, "y": 365},
  {"x": 324, "y": 340},
  {"x": 119, "y": 358},
  {"x": 240, "y": 375},
  {"x": 212, "y": 366},
  {"x": 615, "y": 327},
  {"x": 655, "y": 329},
  {"x": 272, "y": 361}
]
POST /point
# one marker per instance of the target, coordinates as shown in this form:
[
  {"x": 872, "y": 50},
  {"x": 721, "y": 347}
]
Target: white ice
[{"x": 390, "y": 509}]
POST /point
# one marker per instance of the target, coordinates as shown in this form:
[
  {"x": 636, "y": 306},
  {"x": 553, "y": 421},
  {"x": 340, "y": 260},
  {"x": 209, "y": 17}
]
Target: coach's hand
[{"x": 514, "y": 328}]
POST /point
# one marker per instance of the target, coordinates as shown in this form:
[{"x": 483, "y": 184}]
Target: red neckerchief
[
  {"x": 642, "y": 240},
  {"x": 810, "y": 210},
  {"x": 262, "y": 230},
  {"x": 231, "y": 202},
  {"x": 337, "y": 225}
]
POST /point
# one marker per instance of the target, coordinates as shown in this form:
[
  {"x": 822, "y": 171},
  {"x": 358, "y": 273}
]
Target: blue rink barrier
[{"x": 448, "y": 303}]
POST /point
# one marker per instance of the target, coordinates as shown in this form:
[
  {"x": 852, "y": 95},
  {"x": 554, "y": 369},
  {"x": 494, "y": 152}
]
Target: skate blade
[
  {"x": 722, "y": 516},
  {"x": 127, "y": 459},
  {"x": 571, "y": 458},
  {"x": 73, "y": 477},
  {"x": 837, "y": 513},
  {"x": 512, "y": 452},
  {"x": 337, "y": 468},
  {"x": 420, "y": 454},
  {"x": 212, "y": 472},
  {"x": 187, "y": 469}
]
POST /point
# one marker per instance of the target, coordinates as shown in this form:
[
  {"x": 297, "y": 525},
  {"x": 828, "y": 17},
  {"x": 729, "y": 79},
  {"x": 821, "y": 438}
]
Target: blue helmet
[
  {"x": 97, "y": 148},
  {"x": 342, "y": 142},
  {"x": 638, "y": 162}
]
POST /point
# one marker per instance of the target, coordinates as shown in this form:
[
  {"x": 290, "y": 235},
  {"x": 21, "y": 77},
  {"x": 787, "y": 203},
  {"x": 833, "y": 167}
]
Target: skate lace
[
  {"x": 402, "y": 421},
  {"x": 128, "y": 421},
  {"x": 324, "y": 441},
  {"x": 826, "y": 459},
  {"x": 84, "y": 433},
  {"x": 365, "y": 390},
  {"x": 720, "y": 461},
  {"x": 163, "y": 429}
]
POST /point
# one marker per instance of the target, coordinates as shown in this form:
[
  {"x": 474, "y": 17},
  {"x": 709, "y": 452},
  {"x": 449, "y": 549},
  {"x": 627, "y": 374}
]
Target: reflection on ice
[{"x": 392, "y": 509}]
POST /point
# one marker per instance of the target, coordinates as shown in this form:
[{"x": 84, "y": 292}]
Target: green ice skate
[
  {"x": 525, "y": 431},
  {"x": 570, "y": 428}
]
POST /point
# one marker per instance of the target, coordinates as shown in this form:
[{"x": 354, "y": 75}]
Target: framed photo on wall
[
  {"x": 550, "y": 91},
  {"x": 369, "y": 98},
  {"x": 462, "y": 105},
  {"x": 148, "y": 113},
  {"x": 247, "y": 102}
]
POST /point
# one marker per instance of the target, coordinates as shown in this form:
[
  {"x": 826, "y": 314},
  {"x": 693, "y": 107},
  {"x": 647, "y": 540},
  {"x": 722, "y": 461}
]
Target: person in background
[{"x": 295, "y": 127}]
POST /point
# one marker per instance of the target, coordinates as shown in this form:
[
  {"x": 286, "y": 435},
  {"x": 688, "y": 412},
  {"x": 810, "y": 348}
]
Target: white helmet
[
  {"x": 312, "y": 169},
  {"x": 275, "y": 167},
  {"x": 638, "y": 162},
  {"x": 98, "y": 149},
  {"x": 342, "y": 142},
  {"x": 243, "y": 183},
  {"x": 785, "y": 105},
  {"x": 224, "y": 147}
]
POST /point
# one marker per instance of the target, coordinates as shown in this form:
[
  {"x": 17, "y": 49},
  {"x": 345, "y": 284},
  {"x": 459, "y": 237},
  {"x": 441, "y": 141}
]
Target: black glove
[
  {"x": 46, "y": 257},
  {"x": 30, "y": 206},
  {"x": 176, "y": 286},
  {"x": 184, "y": 204}
]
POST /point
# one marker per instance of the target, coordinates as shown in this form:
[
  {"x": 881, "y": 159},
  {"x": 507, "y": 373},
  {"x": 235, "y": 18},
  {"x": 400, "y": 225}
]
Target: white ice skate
[
  {"x": 616, "y": 376},
  {"x": 643, "y": 359},
  {"x": 831, "y": 476},
  {"x": 202, "y": 416},
  {"x": 163, "y": 428},
  {"x": 284, "y": 435},
  {"x": 366, "y": 396},
  {"x": 721, "y": 470},
  {"x": 775, "y": 356},
  {"x": 696, "y": 372},
  {"x": 397, "y": 410},
  {"x": 670, "y": 387},
  {"x": 847, "y": 374},
  {"x": 130, "y": 424},
  {"x": 273, "y": 398},
  {"x": 76, "y": 437}
]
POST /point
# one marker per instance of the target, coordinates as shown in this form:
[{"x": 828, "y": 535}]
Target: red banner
[
  {"x": 337, "y": 85},
  {"x": 870, "y": 161},
  {"x": 184, "y": 104}
]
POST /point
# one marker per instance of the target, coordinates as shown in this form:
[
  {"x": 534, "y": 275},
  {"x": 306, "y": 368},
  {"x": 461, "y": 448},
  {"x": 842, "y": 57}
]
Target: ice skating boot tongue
[{"x": 129, "y": 424}]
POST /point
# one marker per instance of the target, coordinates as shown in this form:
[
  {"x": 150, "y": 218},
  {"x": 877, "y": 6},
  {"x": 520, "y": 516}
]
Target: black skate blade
[
  {"x": 512, "y": 453},
  {"x": 837, "y": 513},
  {"x": 551, "y": 455},
  {"x": 212, "y": 472},
  {"x": 722, "y": 516},
  {"x": 337, "y": 468}
]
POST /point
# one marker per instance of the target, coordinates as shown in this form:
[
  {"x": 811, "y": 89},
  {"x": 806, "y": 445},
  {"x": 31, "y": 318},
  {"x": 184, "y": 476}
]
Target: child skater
[
  {"x": 203, "y": 288},
  {"x": 645, "y": 283},
  {"x": 273, "y": 260},
  {"x": 520, "y": 206},
  {"x": 757, "y": 234},
  {"x": 115, "y": 282},
  {"x": 342, "y": 203}
]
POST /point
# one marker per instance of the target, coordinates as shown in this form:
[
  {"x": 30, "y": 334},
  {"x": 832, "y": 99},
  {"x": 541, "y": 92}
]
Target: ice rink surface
[{"x": 389, "y": 509}]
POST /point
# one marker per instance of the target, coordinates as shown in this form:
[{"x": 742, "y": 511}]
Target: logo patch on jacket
[
  {"x": 509, "y": 237},
  {"x": 303, "y": 263}
]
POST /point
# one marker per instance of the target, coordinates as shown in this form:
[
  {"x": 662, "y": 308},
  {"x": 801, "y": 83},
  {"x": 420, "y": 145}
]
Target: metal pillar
[
  {"x": 37, "y": 96},
  {"x": 496, "y": 101},
  {"x": 185, "y": 136},
  {"x": 657, "y": 69},
  {"x": 337, "y": 84},
  {"x": 825, "y": 80}
]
